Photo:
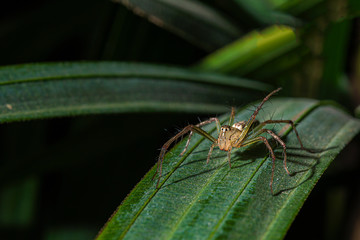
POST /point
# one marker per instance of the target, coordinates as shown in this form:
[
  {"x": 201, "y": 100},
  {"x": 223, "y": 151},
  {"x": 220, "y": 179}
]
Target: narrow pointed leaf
[
  {"x": 34, "y": 91},
  {"x": 190, "y": 19},
  {"x": 265, "y": 13},
  {"x": 251, "y": 51},
  {"x": 199, "y": 201}
]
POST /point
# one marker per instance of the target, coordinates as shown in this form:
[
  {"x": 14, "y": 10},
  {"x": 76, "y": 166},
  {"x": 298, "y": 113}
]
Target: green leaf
[
  {"x": 357, "y": 111},
  {"x": 193, "y": 20},
  {"x": 199, "y": 201},
  {"x": 353, "y": 8},
  {"x": 297, "y": 7},
  {"x": 252, "y": 51},
  {"x": 33, "y": 91},
  {"x": 17, "y": 203},
  {"x": 264, "y": 13},
  {"x": 334, "y": 52}
]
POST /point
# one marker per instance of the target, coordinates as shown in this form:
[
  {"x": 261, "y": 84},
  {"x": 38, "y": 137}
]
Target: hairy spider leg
[
  {"x": 287, "y": 122},
  {"x": 171, "y": 140},
  {"x": 229, "y": 156},
  {"x": 293, "y": 127},
  {"x": 210, "y": 152},
  {"x": 278, "y": 139},
  {"x": 232, "y": 116},
  {"x": 210, "y": 120},
  {"x": 255, "y": 113},
  {"x": 265, "y": 141}
]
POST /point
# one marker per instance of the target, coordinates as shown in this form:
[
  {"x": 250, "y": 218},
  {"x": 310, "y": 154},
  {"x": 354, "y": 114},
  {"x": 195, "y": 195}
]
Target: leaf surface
[
  {"x": 34, "y": 91},
  {"x": 251, "y": 51},
  {"x": 192, "y": 20},
  {"x": 199, "y": 201}
]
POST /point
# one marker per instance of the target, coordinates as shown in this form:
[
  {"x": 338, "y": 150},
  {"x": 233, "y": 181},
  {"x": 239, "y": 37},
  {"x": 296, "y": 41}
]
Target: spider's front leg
[
  {"x": 210, "y": 120},
  {"x": 191, "y": 128}
]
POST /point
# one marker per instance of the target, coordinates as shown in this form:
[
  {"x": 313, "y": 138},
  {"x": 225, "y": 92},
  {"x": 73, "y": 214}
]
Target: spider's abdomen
[
  {"x": 228, "y": 137},
  {"x": 239, "y": 125}
]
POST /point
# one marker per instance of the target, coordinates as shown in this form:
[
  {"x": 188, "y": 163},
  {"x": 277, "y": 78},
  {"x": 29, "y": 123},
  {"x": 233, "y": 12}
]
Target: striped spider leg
[{"x": 190, "y": 128}]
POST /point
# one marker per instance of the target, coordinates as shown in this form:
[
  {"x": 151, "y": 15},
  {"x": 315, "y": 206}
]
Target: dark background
[{"x": 63, "y": 178}]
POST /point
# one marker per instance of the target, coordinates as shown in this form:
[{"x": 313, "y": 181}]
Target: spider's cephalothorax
[
  {"x": 239, "y": 134},
  {"x": 227, "y": 137}
]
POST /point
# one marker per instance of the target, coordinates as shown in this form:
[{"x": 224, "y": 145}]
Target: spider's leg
[
  {"x": 265, "y": 141},
  {"x": 232, "y": 116},
  {"x": 278, "y": 139},
  {"x": 210, "y": 120},
  {"x": 249, "y": 123},
  {"x": 165, "y": 147},
  {"x": 171, "y": 140},
  {"x": 210, "y": 151},
  {"x": 293, "y": 127},
  {"x": 229, "y": 156},
  {"x": 187, "y": 144}
]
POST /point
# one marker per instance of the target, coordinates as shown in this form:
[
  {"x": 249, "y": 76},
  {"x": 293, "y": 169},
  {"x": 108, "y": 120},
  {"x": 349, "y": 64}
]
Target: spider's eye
[{"x": 224, "y": 129}]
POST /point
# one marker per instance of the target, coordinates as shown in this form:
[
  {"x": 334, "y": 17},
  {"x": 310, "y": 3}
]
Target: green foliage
[
  {"x": 214, "y": 202},
  {"x": 67, "y": 89},
  {"x": 113, "y": 109},
  {"x": 252, "y": 51}
]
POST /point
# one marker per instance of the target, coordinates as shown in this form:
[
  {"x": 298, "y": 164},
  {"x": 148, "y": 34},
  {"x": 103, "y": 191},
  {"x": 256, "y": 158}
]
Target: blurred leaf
[
  {"x": 354, "y": 8},
  {"x": 69, "y": 233},
  {"x": 199, "y": 201},
  {"x": 298, "y": 7},
  {"x": 190, "y": 19},
  {"x": 281, "y": 67},
  {"x": 265, "y": 13},
  {"x": 17, "y": 203},
  {"x": 357, "y": 111},
  {"x": 35, "y": 91},
  {"x": 333, "y": 83},
  {"x": 252, "y": 51}
]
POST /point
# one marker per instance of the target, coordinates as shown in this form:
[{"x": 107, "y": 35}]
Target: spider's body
[
  {"x": 229, "y": 137},
  {"x": 239, "y": 134}
]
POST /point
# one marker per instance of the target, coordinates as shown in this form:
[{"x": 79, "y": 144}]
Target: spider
[{"x": 234, "y": 135}]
